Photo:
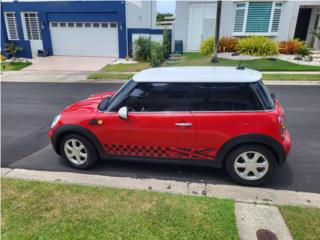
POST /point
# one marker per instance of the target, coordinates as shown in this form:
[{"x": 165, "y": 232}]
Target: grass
[
  {"x": 34, "y": 210},
  {"x": 196, "y": 59},
  {"x": 136, "y": 67},
  {"x": 303, "y": 222},
  {"x": 14, "y": 65},
  {"x": 109, "y": 76},
  {"x": 314, "y": 77}
]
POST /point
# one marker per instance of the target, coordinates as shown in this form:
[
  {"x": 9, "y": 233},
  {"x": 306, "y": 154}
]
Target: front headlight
[{"x": 55, "y": 120}]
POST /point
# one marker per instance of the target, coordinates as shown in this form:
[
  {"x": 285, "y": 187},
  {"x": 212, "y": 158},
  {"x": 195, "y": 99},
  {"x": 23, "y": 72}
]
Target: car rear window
[
  {"x": 263, "y": 94},
  {"x": 224, "y": 97}
]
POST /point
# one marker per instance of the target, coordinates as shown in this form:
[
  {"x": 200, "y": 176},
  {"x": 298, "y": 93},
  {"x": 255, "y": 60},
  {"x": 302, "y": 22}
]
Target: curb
[{"x": 237, "y": 193}]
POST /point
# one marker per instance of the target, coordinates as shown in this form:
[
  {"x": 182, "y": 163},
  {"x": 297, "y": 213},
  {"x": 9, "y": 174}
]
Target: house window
[
  {"x": 95, "y": 25},
  {"x": 257, "y": 18},
  {"x": 11, "y": 25},
  {"x": 32, "y": 26},
  {"x": 113, "y": 25}
]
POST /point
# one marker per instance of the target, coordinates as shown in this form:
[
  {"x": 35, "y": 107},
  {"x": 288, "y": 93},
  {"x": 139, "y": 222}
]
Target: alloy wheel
[
  {"x": 75, "y": 151},
  {"x": 251, "y": 165}
]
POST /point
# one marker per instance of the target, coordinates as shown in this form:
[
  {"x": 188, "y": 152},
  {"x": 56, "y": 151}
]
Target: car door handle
[{"x": 183, "y": 124}]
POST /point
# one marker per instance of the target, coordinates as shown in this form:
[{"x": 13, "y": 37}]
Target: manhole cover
[{"x": 263, "y": 234}]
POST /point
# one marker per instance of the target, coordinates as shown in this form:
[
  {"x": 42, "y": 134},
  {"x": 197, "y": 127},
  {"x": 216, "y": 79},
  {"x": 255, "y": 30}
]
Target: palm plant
[{"x": 12, "y": 49}]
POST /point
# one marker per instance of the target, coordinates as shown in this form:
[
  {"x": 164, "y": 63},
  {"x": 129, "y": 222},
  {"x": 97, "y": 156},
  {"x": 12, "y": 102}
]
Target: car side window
[
  {"x": 224, "y": 97},
  {"x": 158, "y": 97}
]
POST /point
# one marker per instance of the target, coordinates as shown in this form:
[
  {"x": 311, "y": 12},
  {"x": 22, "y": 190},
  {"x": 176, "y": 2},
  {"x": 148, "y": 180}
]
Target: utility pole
[{"x": 214, "y": 58}]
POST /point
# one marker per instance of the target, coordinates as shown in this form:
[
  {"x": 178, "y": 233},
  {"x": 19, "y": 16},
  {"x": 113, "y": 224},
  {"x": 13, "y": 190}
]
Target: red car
[{"x": 213, "y": 116}]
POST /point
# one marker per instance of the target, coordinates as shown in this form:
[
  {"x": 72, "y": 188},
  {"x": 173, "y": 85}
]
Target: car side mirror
[{"x": 123, "y": 113}]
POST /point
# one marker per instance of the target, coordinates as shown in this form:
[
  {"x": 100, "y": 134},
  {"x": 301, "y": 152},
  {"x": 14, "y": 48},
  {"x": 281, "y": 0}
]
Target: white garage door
[
  {"x": 201, "y": 24},
  {"x": 84, "y": 39}
]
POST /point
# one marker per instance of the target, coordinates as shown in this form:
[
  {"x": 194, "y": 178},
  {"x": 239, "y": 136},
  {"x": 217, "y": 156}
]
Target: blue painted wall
[
  {"x": 93, "y": 11},
  {"x": 143, "y": 31}
]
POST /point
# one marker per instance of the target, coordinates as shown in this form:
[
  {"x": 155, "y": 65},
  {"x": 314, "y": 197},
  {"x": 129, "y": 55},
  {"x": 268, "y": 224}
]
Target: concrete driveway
[{"x": 68, "y": 63}]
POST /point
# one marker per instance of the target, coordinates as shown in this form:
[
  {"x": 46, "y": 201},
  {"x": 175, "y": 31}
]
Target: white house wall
[
  {"x": 139, "y": 14},
  {"x": 181, "y": 22}
]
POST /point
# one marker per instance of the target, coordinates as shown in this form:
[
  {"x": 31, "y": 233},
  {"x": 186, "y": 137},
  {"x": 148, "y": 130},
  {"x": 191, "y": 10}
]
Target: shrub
[
  {"x": 156, "y": 54},
  {"x": 258, "y": 46},
  {"x": 3, "y": 58},
  {"x": 291, "y": 46},
  {"x": 304, "y": 51},
  {"x": 142, "y": 49},
  {"x": 228, "y": 44},
  {"x": 12, "y": 49},
  {"x": 166, "y": 43},
  {"x": 206, "y": 47}
]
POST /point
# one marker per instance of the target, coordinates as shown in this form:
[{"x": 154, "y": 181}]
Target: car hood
[{"x": 88, "y": 105}]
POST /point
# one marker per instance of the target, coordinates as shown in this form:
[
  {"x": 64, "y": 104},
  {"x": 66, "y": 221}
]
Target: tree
[
  {"x": 214, "y": 58},
  {"x": 161, "y": 16},
  {"x": 166, "y": 42}
]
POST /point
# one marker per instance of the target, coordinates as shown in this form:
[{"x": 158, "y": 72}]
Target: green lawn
[
  {"x": 109, "y": 76},
  {"x": 34, "y": 210},
  {"x": 314, "y": 77},
  {"x": 136, "y": 67},
  {"x": 303, "y": 222},
  {"x": 14, "y": 65},
  {"x": 196, "y": 59}
]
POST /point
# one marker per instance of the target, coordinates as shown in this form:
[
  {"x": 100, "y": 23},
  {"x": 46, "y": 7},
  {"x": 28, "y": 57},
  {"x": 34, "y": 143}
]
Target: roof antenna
[{"x": 239, "y": 66}]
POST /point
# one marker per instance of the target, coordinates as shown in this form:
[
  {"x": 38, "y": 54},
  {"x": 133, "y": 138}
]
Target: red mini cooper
[{"x": 217, "y": 116}]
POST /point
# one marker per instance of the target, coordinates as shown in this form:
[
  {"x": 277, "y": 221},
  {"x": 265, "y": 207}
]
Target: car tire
[
  {"x": 251, "y": 165},
  {"x": 78, "y": 152}
]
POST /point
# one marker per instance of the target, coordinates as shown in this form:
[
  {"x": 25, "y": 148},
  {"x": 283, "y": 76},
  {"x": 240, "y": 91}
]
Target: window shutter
[
  {"x": 276, "y": 17},
  {"x": 276, "y": 20},
  {"x": 258, "y": 17},
  {"x": 239, "y": 20},
  {"x": 11, "y": 26}
]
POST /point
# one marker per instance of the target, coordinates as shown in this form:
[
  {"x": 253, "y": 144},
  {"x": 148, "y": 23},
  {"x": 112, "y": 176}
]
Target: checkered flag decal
[{"x": 159, "y": 152}]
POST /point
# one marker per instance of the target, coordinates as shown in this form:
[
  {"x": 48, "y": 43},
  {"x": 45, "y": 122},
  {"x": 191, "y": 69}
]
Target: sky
[{"x": 166, "y": 6}]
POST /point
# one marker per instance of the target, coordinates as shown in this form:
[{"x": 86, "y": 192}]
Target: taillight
[{"x": 282, "y": 126}]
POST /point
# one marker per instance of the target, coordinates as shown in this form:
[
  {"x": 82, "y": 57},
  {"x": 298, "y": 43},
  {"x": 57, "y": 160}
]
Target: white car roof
[{"x": 198, "y": 74}]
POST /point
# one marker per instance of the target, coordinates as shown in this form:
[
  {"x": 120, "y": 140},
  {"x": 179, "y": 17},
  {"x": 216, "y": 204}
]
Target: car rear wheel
[
  {"x": 251, "y": 165},
  {"x": 78, "y": 151}
]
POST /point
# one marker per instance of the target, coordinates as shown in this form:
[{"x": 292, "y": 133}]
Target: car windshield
[
  {"x": 104, "y": 104},
  {"x": 125, "y": 89}
]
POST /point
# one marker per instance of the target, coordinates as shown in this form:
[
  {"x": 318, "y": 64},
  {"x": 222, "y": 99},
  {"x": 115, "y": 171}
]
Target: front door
[
  {"x": 159, "y": 123},
  {"x": 303, "y": 23}
]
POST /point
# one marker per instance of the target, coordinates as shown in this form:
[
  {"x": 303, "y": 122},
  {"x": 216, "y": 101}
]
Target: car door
[
  {"x": 159, "y": 123},
  {"x": 221, "y": 112}
]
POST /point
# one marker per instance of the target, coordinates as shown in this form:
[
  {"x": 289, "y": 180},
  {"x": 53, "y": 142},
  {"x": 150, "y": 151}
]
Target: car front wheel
[
  {"x": 78, "y": 151},
  {"x": 251, "y": 165}
]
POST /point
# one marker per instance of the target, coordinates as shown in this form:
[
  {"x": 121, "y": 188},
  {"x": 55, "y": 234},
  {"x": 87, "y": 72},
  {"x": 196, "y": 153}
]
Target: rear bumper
[{"x": 286, "y": 145}]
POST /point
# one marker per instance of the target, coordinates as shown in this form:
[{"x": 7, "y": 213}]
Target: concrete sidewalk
[
  {"x": 291, "y": 72},
  {"x": 237, "y": 193},
  {"x": 44, "y": 76}
]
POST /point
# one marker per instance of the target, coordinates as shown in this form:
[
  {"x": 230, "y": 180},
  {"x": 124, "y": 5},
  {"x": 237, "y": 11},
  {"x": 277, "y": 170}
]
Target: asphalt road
[{"x": 28, "y": 109}]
